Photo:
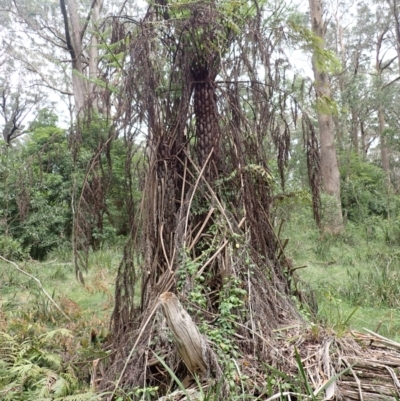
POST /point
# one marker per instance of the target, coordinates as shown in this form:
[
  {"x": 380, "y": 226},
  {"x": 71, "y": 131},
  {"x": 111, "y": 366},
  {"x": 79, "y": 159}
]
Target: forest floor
[
  {"x": 22, "y": 298},
  {"x": 355, "y": 277}
]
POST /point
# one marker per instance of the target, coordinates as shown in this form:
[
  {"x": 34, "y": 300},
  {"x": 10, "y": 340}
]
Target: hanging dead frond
[{"x": 313, "y": 165}]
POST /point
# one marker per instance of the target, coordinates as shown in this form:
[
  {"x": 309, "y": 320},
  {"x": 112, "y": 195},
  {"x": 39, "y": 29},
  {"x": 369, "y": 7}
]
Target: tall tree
[
  {"x": 329, "y": 164},
  {"x": 382, "y": 64},
  {"x": 205, "y": 231},
  {"x": 15, "y": 105}
]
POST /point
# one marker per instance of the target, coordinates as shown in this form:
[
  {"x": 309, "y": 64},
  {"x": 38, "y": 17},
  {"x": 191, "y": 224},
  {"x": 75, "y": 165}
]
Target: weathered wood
[
  {"x": 190, "y": 343},
  {"x": 376, "y": 365}
]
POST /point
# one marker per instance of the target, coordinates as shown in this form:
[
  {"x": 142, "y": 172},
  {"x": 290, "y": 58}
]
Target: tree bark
[
  {"x": 384, "y": 148},
  {"x": 329, "y": 166},
  {"x": 74, "y": 45},
  {"x": 354, "y": 129},
  {"x": 380, "y": 67},
  {"x": 94, "y": 55},
  {"x": 393, "y": 4}
]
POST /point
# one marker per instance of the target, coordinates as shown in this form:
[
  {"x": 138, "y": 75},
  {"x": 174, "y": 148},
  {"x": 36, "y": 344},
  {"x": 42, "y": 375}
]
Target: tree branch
[
  {"x": 67, "y": 34},
  {"x": 82, "y": 33},
  {"x": 391, "y": 82},
  {"x": 40, "y": 286}
]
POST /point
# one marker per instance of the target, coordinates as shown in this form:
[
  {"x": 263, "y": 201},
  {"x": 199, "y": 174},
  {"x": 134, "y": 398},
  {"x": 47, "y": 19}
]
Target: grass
[
  {"x": 24, "y": 304},
  {"x": 355, "y": 275},
  {"x": 38, "y": 342}
]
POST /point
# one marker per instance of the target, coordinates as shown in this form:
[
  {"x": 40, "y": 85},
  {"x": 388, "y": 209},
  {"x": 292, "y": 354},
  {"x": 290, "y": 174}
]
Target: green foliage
[
  {"x": 378, "y": 287},
  {"x": 334, "y": 311},
  {"x": 353, "y": 274},
  {"x": 43, "y": 356},
  {"x": 325, "y": 60},
  {"x": 37, "y": 180},
  {"x": 31, "y": 368},
  {"x": 363, "y": 190},
  {"x": 35, "y": 192},
  {"x": 11, "y": 248},
  {"x": 231, "y": 306}
]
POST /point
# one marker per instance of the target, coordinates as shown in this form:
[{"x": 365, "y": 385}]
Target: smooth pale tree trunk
[
  {"x": 79, "y": 83},
  {"x": 74, "y": 31},
  {"x": 333, "y": 219},
  {"x": 395, "y": 7},
  {"x": 354, "y": 129},
  {"x": 384, "y": 148},
  {"x": 94, "y": 55},
  {"x": 380, "y": 66},
  {"x": 74, "y": 45}
]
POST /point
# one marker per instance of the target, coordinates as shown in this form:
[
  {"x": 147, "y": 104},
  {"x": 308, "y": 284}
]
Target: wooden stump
[{"x": 190, "y": 343}]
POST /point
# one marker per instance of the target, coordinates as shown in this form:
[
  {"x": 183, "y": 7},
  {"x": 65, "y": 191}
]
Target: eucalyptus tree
[
  {"x": 384, "y": 78},
  {"x": 44, "y": 32},
  {"x": 16, "y": 103},
  {"x": 329, "y": 164},
  {"x": 395, "y": 13}
]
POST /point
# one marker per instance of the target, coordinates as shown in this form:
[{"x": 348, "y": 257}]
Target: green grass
[
  {"x": 355, "y": 275},
  {"x": 20, "y": 296},
  {"x": 37, "y": 339}
]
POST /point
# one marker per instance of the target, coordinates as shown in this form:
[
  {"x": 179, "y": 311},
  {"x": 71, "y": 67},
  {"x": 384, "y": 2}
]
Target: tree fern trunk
[{"x": 207, "y": 129}]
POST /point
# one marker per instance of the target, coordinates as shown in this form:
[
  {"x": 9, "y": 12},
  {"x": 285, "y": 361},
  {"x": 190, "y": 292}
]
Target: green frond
[
  {"x": 70, "y": 377},
  {"x": 8, "y": 348},
  {"x": 61, "y": 387},
  {"x": 89, "y": 396},
  {"x": 50, "y": 360},
  {"x": 51, "y": 334}
]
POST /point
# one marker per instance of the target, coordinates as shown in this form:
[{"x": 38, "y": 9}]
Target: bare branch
[{"x": 40, "y": 286}]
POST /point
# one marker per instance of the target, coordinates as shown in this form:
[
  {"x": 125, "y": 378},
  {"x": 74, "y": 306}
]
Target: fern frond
[
  {"x": 8, "y": 348},
  {"x": 50, "y": 360},
  {"x": 51, "y": 334},
  {"x": 61, "y": 388},
  {"x": 89, "y": 396},
  {"x": 71, "y": 378}
]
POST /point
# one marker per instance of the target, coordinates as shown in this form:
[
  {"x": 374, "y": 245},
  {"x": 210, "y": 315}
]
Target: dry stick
[
  {"x": 163, "y": 248},
  {"x": 132, "y": 351},
  {"x": 218, "y": 251},
  {"x": 249, "y": 302},
  {"x": 40, "y": 286},
  {"x": 183, "y": 182},
  {"x": 240, "y": 375},
  {"x": 201, "y": 228},
  {"x": 355, "y": 378},
  {"x": 394, "y": 377},
  {"x": 147, "y": 360},
  {"x": 384, "y": 340},
  {"x": 220, "y": 207},
  {"x": 195, "y": 187},
  {"x": 239, "y": 166}
]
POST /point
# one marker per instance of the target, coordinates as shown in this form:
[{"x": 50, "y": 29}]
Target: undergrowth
[
  {"x": 43, "y": 355},
  {"x": 354, "y": 275}
]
